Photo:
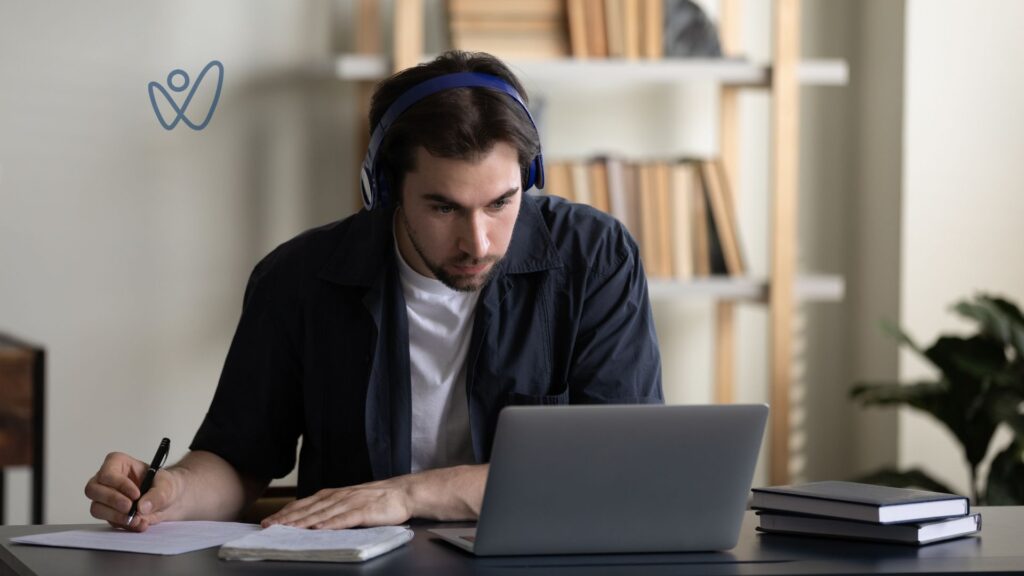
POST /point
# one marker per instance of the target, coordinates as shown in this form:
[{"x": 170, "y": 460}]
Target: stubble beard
[{"x": 455, "y": 282}]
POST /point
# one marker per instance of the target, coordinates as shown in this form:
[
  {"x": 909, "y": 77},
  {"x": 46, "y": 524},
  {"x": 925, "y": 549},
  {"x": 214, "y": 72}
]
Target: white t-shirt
[{"x": 440, "y": 325}]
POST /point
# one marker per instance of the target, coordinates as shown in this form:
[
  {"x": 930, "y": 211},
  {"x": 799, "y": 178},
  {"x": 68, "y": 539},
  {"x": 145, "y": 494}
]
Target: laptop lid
[{"x": 614, "y": 478}]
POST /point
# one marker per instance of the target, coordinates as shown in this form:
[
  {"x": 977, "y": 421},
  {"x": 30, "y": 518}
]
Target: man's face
[{"x": 456, "y": 217}]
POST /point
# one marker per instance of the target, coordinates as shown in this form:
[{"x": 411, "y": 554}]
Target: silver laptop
[{"x": 613, "y": 478}]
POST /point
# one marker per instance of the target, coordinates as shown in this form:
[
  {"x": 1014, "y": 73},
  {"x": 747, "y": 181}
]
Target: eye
[
  {"x": 444, "y": 208},
  {"x": 500, "y": 203}
]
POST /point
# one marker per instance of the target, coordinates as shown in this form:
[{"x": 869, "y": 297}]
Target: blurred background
[{"x": 125, "y": 247}]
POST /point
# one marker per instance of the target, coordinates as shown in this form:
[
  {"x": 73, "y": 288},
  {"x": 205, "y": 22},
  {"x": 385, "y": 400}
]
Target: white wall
[
  {"x": 962, "y": 185},
  {"x": 124, "y": 248}
]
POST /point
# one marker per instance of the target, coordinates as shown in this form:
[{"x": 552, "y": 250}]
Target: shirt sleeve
[
  {"x": 617, "y": 358},
  {"x": 255, "y": 419}
]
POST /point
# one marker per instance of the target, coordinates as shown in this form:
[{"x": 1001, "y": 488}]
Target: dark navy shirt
[{"x": 322, "y": 348}]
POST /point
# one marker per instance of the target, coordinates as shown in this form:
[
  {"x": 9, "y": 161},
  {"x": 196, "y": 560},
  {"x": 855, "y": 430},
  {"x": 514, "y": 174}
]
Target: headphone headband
[{"x": 374, "y": 188}]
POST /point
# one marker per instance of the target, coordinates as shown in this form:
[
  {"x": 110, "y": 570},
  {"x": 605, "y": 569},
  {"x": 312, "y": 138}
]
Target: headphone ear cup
[
  {"x": 366, "y": 187},
  {"x": 536, "y": 173}
]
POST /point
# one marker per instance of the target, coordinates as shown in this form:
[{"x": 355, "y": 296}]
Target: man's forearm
[
  {"x": 209, "y": 488},
  {"x": 447, "y": 494}
]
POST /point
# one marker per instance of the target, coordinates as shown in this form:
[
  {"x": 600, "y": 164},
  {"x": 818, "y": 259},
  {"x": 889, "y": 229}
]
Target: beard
[{"x": 457, "y": 282}]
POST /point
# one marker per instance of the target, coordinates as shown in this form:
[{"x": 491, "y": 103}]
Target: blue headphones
[{"x": 375, "y": 188}]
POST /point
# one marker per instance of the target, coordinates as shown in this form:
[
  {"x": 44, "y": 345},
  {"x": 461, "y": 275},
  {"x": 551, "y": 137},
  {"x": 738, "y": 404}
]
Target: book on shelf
[
  {"x": 598, "y": 178},
  {"x": 577, "y": 17},
  {"x": 597, "y": 32},
  {"x": 857, "y": 501},
  {"x": 679, "y": 212},
  {"x": 917, "y": 533},
  {"x": 652, "y": 28},
  {"x": 630, "y": 29},
  {"x": 630, "y": 181},
  {"x": 558, "y": 180},
  {"x": 649, "y": 245},
  {"x": 618, "y": 203},
  {"x": 723, "y": 215},
  {"x": 683, "y": 185},
  {"x": 529, "y": 29},
  {"x": 615, "y": 26},
  {"x": 520, "y": 9},
  {"x": 701, "y": 231},
  {"x": 580, "y": 183},
  {"x": 280, "y": 542},
  {"x": 716, "y": 253},
  {"x": 663, "y": 210}
]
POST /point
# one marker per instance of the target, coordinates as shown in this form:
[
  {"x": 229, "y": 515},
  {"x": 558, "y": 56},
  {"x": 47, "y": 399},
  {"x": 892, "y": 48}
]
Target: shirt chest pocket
[{"x": 520, "y": 358}]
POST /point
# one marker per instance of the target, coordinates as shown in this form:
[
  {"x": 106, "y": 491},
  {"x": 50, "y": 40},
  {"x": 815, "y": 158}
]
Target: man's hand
[
  {"x": 202, "y": 486},
  {"x": 116, "y": 485},
  {"x": 443, "y": 494},
  {"x": 384, "y": 503}
]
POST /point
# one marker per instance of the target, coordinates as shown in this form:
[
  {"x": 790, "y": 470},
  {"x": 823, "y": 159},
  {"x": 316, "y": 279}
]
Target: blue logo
[{"x": 178, "y": 81}]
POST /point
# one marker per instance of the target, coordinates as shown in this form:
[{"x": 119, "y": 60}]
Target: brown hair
[{"x": 460, "y": 123}]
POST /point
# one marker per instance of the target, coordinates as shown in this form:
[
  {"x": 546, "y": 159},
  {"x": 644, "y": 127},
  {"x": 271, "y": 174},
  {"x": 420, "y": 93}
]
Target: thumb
[{"x": 160, "y": 496}]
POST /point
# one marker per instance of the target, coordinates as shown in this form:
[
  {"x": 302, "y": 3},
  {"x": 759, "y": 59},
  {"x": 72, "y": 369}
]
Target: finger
[
  {"x": 108, "y": 496},
  {"x": 143, "y": 523},
  {"x": 318, "y": 516},
  {"x": 121, "y": 472},
  {"x": 349, "y": 519},
  {"x": 114, "y": 517},
  {"x": 159, "y": 496},
  {"x": 300, "y": 508}
]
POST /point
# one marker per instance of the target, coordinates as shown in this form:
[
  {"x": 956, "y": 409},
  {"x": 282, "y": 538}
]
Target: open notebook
[{"x": 280, "y": 542}]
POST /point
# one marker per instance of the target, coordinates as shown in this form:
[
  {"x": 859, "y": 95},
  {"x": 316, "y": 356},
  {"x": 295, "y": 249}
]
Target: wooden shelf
[
  {"x": 808, "y": 288},
  {"x": 729, "y": 72}
]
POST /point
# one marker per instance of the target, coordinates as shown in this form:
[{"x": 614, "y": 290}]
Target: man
[{"x": 390, "y": 341}]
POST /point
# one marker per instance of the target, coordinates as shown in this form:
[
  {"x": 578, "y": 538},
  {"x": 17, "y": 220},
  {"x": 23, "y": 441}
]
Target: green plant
[{"x": 981, "y": 386}]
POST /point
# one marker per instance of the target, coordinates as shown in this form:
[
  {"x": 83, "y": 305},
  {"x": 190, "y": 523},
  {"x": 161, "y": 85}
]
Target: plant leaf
[
  {"x": 902, "y": 337},
  {"x": 959, "y": 407},
  {"x": 998, "y": 318},
  {"x": 967, "y": 359},
  {"x": 1006, "y": 476}
]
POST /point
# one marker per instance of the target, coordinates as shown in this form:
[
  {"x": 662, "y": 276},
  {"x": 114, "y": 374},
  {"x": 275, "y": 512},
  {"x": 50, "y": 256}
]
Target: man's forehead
[{"x": 489, "y": 177}]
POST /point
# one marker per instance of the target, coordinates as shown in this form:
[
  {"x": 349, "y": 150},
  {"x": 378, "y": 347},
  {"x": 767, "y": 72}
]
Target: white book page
[{"x": 164, "y": 538}]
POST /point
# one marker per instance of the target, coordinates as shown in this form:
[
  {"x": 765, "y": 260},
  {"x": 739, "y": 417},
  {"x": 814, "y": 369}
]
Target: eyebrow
[{"x": 442, "y": 199}]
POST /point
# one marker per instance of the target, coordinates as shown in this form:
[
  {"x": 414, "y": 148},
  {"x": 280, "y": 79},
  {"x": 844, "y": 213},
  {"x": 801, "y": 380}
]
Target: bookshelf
[
  {"x": 598, "y": 73},
  {"x": 809, "y": 288},
  {"x": 782, "y": 78}
]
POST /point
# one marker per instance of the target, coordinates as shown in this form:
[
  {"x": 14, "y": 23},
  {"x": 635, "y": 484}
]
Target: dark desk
[{"x": 999, "y": 550}]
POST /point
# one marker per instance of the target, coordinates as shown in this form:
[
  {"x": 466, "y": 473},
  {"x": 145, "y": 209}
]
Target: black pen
[{"x": 147, "y": 482}]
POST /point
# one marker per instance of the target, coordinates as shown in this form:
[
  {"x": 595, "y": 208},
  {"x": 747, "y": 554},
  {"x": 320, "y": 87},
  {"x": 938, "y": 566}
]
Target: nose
[{"x": 473, "y": 239}]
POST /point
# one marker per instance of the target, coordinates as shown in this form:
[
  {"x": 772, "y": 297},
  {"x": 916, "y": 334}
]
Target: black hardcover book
[
  {"x": 916, "y": 533},
  {"x": 864, "y": 502}
]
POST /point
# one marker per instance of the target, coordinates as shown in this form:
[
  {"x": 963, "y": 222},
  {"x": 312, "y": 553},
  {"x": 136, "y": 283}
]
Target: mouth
[{"x": 469, "y": 270}]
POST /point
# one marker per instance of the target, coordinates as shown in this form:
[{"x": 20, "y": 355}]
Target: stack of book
[
  {"x": 628, "y": 29},
  {"x": 864, "y": 512},
  {"x": 533, "y": 29},
  {"x": 682, "y": 213},
  {"x": 525, "y": 29}
]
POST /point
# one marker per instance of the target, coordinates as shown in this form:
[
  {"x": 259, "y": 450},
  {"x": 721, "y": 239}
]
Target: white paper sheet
[{"x": 164, "y": 538}]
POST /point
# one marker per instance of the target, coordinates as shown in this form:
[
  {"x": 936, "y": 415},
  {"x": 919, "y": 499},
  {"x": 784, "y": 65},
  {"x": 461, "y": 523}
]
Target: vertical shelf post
[
  {"x": 728, "y": 131},
  {"x": 784, "y": 174},
  {"x": 408, "y": 34}
]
